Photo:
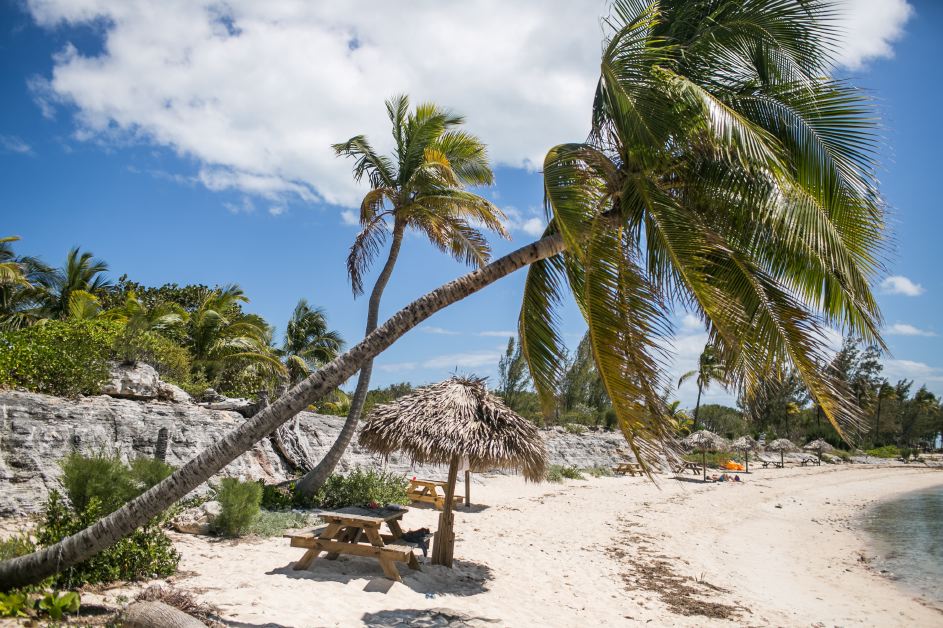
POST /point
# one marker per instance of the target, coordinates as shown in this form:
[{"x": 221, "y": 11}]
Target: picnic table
[
  {"x": 631, "y": 468},
  {"x": 356, "y": 531},
  {"x": 431, "y": 492},
  {"x": 685, "y": 465},
  {"x": 810, "y": 460}
]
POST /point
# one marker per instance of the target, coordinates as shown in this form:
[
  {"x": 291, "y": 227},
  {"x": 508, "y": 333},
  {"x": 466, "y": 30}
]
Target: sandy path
[{"x": 603, "y": 552}]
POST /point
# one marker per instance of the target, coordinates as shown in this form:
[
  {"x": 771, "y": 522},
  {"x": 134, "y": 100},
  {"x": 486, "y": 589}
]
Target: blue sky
[{"x": 188, "y": 142}]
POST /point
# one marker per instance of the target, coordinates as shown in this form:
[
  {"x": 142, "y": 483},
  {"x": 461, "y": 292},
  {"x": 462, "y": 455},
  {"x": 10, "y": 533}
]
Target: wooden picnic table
[
  {"x": 631, "y": 468},
  {"x": 356, "y": 531},
  {"x": 693, "y": 467},
  {"x": 431, "y": 492}
]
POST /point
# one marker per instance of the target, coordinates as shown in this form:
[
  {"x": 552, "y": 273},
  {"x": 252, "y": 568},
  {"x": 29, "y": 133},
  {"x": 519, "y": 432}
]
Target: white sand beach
[{"x": 779, "y": 549}]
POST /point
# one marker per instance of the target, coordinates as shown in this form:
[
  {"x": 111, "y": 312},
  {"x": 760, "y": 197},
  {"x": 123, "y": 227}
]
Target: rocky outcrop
[
  {"x": 37, "y": 430},
  {"x": 140, "y": 381}
]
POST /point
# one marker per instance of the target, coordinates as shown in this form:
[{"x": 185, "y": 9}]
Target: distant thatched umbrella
[
  {"x": 819, "y": 446},
  {"x": 705, "y": 440},
  {"x": 745, "y": 444},
  {"x": 446, "y": 422},
  {"x": 782, "y": 445}
]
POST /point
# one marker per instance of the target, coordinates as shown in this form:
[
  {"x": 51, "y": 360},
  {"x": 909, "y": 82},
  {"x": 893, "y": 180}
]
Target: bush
[
  {"x": 269, "y": 523},
  {"x": 905, "y": 453},
  {"x": 19, "y": 545},
  {"x": 107, "y": 479},
  {"x": 171, "y": 361},
  {"x": 361, "y": 488},
  {"x": 599, "y": 471},
  {"x": 887, "y": 451},
  {"x": 240, "y": 506},
  {"x": 65, "y": 358},
  {"x": 275, "y": 497},
  {"x": 575, "y": 428},
  {"x": 145, "y": 553},
  {"x": 557, "y": 473}
]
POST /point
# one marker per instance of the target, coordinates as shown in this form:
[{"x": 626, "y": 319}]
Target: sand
[{"x": 780, "y": 549}]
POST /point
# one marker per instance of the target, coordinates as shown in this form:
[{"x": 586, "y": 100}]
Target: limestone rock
[
  {"x": 197, "y": 520},
  {"x": 170, "y": 392},
  {"x": 133, "y": 381}
]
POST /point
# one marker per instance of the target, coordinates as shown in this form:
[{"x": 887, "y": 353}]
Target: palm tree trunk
[
  {"x": 316, "y": 477},
  {"x": 697, "y": 406},
  {"x": 32, "y": 568}
]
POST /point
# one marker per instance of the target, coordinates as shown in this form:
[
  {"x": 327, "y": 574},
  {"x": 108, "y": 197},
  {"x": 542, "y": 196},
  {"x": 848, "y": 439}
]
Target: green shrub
[
  {"x": 554, "y": 474},
  {"x": 57, "y": 604},
  {"x": 148, "y": 472},
  {"x": 239, "y": 502},
  {"x": 13, "y": 604},
  {"x": 887, "y": 451},
  {"x": 65, "y": 358},
  {"x": 100, "y": 477},
  {"x": 572, "y": 473},
  {"x": 171, "y": 361},
  {"x": 575, "y": 428},
  {"x": 276, "y": 497},
  {"x": 274, "y": 523},
  {"x": 145, "y": 553},
  {"x": 361, "y": 488},
  {"x": 905, "y": 453},
  {"x": 18, "y": 545},
  {"x": 599, "y": 471}
]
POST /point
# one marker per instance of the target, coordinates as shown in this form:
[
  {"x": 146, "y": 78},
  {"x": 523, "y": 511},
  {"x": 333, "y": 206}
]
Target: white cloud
[
  {"x": 531, "y": 223},
  {"x": 905, "y": 329},
  {"x": 898, "y": 284},
  {"x": 920, "y": 372},
  {"x": 276, "y": 210},
  {"x": 498, "y": 334},
  {"x": 396, "y": 367},
  {"x": 245, "y": 206},
  {"x": 348, "y": 217},
  {"x": 870, "y": 28},
  {"x": 690, "y": 322},
  {"x": 257, "y": 92},
  {"x": 439, "y": 331},
  {"x": 468, "y": 359},
  {"x": 13, "y": 144}
]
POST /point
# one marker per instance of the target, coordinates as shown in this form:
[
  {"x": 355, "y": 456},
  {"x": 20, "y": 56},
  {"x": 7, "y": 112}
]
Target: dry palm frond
[
  {"x": 781, "y": 444},
  {"x": 745, "y": 443},
  {"x": 705, "y": 440},
  {"x": 456, "y": 418},
  {"x": 818, "y": 445}
]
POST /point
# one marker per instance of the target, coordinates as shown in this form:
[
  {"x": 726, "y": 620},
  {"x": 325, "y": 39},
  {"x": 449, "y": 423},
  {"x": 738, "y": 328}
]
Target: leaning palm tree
[
  {"x": 709, "y": 369},
  {"x": 309, "y": 342},
  {"x": 422, "y": 187},
  {"x": 726, "y": 171}
]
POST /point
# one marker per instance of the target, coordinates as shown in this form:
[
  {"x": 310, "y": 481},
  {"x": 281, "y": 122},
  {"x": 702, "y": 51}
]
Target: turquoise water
[{"x": 908, "y": 541}]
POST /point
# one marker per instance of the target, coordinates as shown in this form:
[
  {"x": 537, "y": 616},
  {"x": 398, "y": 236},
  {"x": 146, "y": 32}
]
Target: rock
[
  {"x": 133, "y": 381},
  {"x": 197, "y": 520},
  {"x": 170, "y": 392},
  {"x": 245, "y": 407},
  {"x": 37, "y": 430}
]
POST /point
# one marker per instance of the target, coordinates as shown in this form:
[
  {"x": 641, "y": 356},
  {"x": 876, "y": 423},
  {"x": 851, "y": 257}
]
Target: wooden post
[
  {"x": 747, "y": 454},
  {"x": 160, "y": 450},
  {"x": 782, "y": 458},
  {"x": 704, "y": 463},
  {"x": 444, "y": 540},
  {"x": 467, "y": 488}
]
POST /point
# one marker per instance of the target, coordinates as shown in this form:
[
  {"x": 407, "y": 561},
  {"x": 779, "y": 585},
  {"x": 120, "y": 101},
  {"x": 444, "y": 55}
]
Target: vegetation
[
  {"x": 710, "y": 368},
  {"x": 239, "y": 501},
  {"x": 361, "y": 487},
  {"x": 887, "y": 451},
  {"x": 557, "y": 473},
  {"x": 274, "y": 523}
]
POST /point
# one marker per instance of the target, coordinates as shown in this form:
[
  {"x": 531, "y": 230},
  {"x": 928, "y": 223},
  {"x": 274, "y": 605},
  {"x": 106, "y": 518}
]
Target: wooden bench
[
  {"x": 632, "y": 468},
  {"x": 431, "y": 492},
  {"x": 685, "y": 465},
  {"x": 356, "y": 531},
  {"x": 810, "y": 460}
]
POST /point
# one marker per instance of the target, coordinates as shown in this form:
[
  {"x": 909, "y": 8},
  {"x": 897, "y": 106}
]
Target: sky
[{"x": 189, "y": 141}]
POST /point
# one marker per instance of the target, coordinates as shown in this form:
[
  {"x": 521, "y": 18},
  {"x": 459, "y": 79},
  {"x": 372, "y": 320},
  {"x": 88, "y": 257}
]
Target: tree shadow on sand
[
  {"x": 396, "y": 618},
  {"x": 465, "y": 577}
]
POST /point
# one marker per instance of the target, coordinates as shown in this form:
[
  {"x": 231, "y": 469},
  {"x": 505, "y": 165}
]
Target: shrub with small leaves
[
  {"x": 557, "y": 473},
  {"x": 599, "y": 471},
  {"x": 57, "y": 604},
  {"x": 277, "y": 497},
  {"x": 19, "y": 545},
  {"x": 362, "y": 487},
  {"x": 239, "y": 502},
  {"x": 13, "y": 604}
]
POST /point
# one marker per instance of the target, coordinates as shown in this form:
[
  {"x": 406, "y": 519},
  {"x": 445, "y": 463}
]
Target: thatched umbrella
[
  {"x": 745, "y": 444},
  {"x": 782, "y": 445},
  {"x": 446, "y": 422},
  {"x": 705, "y": 440},
  {"x": 819, "y": 446}
]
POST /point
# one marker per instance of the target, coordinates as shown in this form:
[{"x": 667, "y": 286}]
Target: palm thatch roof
[
  {"x": 782, "y": 445},
  {"x": 457, "y": 417},
  {"x": 704, "y": 440},
  {"x": 818, "y": 445},
  {"x": 745, "y": 443}
]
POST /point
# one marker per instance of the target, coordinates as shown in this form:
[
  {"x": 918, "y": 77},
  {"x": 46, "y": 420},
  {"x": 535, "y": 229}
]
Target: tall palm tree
[
  {"x": 720, "y": 143},
  {"x": 422, "y": 187},
  {"x": 308, "y": 342},
  {"x": 81, "y": 273},
  {"x": 709, "y": 369}
]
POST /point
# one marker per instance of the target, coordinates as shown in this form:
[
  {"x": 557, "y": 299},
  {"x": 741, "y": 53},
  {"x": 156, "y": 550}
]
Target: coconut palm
[
  {"x": 220, "y": 336},
  {"x": 24, "y": 281},
  {"x": 12, "y": 272},
  {"x": 422, "y": 187},
  {"x": 308, "y": 342},
  {"x": 709, "y": 369},
  {"x": 81, "y": 273},
  {"x": 726, "y": 172},
  {"x": 140, "y": 319}
]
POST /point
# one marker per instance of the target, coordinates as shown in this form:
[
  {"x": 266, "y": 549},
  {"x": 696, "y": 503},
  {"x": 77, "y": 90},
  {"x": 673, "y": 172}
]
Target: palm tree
[
  {"x": 720, "y": 143},
  {"x": 140, "y": 319},
  {"x": 422, "y": 186},
  {"x": 220, "y": 336},
  {"x": 24, "y": 281},
  {"x": 12, "y": 272},
  {"x": 709, "y": 369},
  {"x": 308, "y": 342},
  {"x": 81, "y": 273}
]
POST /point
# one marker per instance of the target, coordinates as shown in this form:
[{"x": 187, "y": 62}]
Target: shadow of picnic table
[{"x": 396, "y": 618}]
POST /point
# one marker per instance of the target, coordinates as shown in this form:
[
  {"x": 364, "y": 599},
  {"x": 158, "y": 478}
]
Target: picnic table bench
[
  {"x": 693, "y": 467},
  {"x": 356, "y": 531},
  {"x": 810, "y": 460},
  {"x": 430, "y": 492},
  {"x": 631, "y": 468},
  {"x": 770, "y": 462}
]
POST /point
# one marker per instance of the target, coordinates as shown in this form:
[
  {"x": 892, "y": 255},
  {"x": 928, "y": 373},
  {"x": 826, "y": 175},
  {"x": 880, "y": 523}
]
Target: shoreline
[{"x": 779, "y": 549}]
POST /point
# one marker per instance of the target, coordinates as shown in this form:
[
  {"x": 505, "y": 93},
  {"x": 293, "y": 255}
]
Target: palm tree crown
[
  {"x": 728, "y": 173},
  {"x": 308, "y": 341}
]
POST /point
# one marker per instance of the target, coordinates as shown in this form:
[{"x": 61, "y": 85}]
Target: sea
[{"x": 907, "y": 535}]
